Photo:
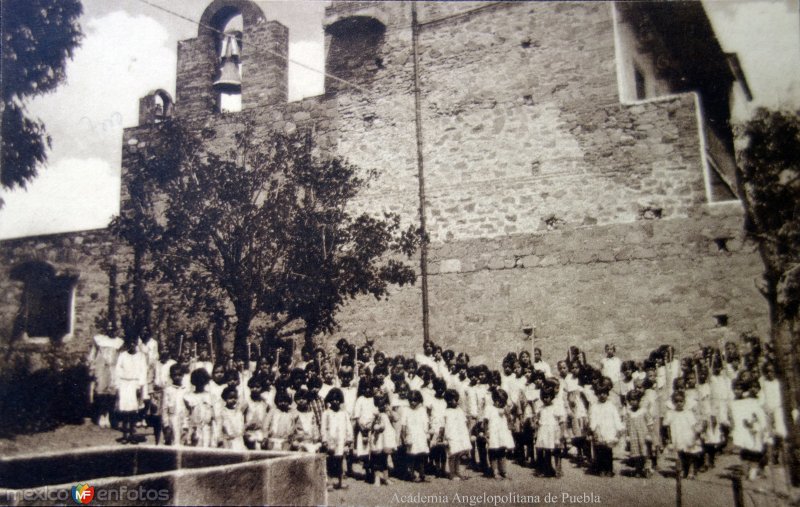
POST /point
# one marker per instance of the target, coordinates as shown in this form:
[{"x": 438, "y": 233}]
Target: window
[
  {"x": 638, "y": 77},
  {"x": 721, "y": 187},
  {"x": 47, "y": 305}
]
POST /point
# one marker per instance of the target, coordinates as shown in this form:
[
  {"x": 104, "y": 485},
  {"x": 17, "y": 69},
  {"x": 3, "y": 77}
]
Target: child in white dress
[
  {"x": 456, "y": 434},
  {"x": 415, "y": 431},
  {"x": 748, "y": 428},
  {"x": 199, "y": 410},
  {"x": 364, "y": 415},
  {"x": 498, "y": 433},
  {"x": 684, "y": 431},
  {"x": 255, "y": 415},
  {"x": 399, "y": 404},
  {"x": 130, "y": 375},
  {"x": 173, "y": 408},
  {"x": 337, "y": 434},
  {"x": 770, "y": 398},
  {"x": 383, "y": 440},
  {"x": 232, "y": 421},
  {"x": 279, "y": 424},
  {"x": 306, "y": 435},
  {"x": 606, "y": 427},
  {"x": 550, "y": 428}
]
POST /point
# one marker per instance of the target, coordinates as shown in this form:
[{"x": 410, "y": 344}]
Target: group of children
[{"x": 435, "y": 412}]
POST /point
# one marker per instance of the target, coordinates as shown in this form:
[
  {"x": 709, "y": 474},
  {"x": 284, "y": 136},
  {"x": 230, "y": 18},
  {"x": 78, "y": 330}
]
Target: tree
[
  {"x": 38, "y": 38},
  {"x": 262, "y": 231},
  {"x": 769, "y": 186}
]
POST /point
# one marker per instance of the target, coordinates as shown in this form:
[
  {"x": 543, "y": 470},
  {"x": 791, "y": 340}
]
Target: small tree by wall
[
  {"x": 769, "y": 186},
  {"x": 261, "y": 232}
]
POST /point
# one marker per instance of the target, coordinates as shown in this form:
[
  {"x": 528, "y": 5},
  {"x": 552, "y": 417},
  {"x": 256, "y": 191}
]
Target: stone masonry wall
[
  {"x": 78, "y": 253},
  {"x": 637, "y": 285},
  {"x": 264, "y": 74},
  {"x": 538, "y": 185},
  {"x": 540, "y": 189},
  {"x": 522, "y": 127},
  {"x": 548, "y": 201}
]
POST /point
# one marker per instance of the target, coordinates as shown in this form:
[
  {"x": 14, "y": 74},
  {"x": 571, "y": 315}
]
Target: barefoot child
[
  {"x": 337, "y": 434},
  {"x": 639, "y": 427},
  {"x": 232, "y": 421},
  {"x": 456, "y": 434},
  {"x": 415, "y": 429},
  {"x": 383, "y": 440},
  {"x": 498, "y": 433},
  {"x": 684, "y": 431},
  {"x": 549, "y": 433},
  {"x": 173, "y": 407},
  {"x": 748, "y": 426},
  {"x": 438, "y": 452},
  {"x": 606, "y": 427},
  {"x": 199, "y": 410},
  {"x": 131, "y": 375}
]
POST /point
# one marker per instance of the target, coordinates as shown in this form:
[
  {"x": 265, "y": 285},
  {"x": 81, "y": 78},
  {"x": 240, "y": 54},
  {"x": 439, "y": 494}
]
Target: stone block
[{"x": 450, "y": 266}]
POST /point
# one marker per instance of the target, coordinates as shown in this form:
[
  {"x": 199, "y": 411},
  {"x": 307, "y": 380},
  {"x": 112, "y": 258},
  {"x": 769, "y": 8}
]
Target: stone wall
[
  {"x": 549, "y": 201},
  {"x": 264, "y": 73},
  {"x": 522, "y": 128},
  {"x": 637, "y": 285},
  {"x": 79, "y": 253}
]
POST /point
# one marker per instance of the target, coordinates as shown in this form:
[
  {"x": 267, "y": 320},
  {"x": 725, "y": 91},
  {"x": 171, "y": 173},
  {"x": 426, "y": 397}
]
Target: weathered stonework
[
  {"x": 553, "y": 197},
  {"x": 79, "y": 253}
]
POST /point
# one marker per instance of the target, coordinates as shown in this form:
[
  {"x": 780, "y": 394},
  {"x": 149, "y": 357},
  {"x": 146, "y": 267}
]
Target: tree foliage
[
  {"x": 262, "y": 231},
  {"x": 38, "y": 38},
  {"x": 769, "y": 186}
]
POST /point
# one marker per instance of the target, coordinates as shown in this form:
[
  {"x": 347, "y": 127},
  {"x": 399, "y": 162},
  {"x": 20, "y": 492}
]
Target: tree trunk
[
  {"x": 112, "y": 330},
  {"x": 786, "y": 358},
  {"x": 217, "y": 337},
  {"x": 241, "y": 348}
]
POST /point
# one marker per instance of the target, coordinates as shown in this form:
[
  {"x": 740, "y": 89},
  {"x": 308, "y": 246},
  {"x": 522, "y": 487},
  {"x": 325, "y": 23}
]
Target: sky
[{"x": 129, "y": 49}]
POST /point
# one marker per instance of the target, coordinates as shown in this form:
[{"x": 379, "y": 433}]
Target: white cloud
[
  {"x": 71, "y": 191},
  {"x": 121, "y": 59}
]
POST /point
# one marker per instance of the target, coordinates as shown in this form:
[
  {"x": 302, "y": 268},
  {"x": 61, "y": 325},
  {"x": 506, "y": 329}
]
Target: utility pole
[{"x": 423, "y": 231}]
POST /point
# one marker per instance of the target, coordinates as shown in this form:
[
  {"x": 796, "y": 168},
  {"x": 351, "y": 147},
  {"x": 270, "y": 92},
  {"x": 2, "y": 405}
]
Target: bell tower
[{"x": 227, "y": 68}]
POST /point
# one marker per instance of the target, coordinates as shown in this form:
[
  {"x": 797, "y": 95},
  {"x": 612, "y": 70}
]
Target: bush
[{"x": 42, "y": 400}]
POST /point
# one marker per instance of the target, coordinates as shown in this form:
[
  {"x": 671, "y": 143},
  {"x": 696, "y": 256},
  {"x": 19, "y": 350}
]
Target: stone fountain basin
[{"x": 189, "y": 476}]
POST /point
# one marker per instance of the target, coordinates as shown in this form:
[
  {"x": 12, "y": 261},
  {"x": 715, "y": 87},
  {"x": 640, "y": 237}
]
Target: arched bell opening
[
  {"x": 354, "y": 49},
  {"x": 156, "y": 107},
  {"x": 229, "y": 45}
]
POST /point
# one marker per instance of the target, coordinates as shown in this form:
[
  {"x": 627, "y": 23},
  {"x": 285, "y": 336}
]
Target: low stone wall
[{"x": 150, "y": 475}]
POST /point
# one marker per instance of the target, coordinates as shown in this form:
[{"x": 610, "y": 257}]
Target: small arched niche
[{"x": 156, "y": 107}]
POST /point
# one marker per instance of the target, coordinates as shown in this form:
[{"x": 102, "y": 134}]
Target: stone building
[{"x": 576, "y": 175}]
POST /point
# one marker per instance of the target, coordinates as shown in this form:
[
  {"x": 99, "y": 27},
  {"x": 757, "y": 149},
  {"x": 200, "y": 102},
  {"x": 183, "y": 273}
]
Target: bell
[{"x": 230, "y": 80}]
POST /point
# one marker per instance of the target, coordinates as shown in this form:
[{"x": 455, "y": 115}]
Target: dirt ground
[{"x": 710, "y": 489}]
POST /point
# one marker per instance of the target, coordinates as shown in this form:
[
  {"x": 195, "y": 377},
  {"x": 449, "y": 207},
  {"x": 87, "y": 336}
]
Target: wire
[
  {"x": 266, "y": 50},
  {"x": 459, "y": 14}
]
